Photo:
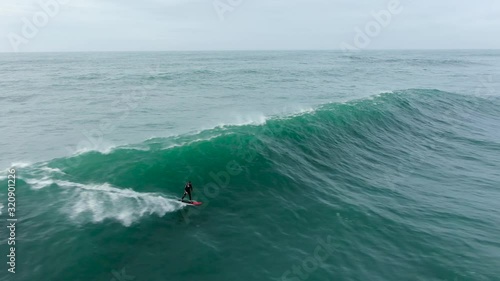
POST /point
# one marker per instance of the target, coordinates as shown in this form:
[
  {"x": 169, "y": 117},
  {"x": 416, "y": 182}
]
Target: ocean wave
[
  {"x": 384, "y": 137},
  {"x": 397, "y": 113}
]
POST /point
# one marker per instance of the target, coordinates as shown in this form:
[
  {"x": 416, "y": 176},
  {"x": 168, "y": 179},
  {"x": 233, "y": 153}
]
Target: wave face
[{"x": 405, "y": 179}]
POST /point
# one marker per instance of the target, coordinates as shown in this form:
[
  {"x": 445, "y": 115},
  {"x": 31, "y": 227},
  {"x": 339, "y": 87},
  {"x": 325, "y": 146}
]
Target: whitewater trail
[
  {"x": 100, "y": 201},
  {"x": 103, "y": 201}
]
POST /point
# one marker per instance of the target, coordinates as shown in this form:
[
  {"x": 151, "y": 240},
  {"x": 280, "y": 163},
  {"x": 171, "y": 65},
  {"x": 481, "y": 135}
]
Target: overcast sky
[{"x": 157, "y": 25}]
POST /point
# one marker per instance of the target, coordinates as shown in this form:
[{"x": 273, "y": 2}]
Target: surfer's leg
[
  {"x": 189, "y": 192},
  {"x": 184, "y": 195}
]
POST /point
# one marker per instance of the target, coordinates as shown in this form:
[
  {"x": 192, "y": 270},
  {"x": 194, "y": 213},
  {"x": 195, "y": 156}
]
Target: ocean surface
[{"x": 312, "y": 165}]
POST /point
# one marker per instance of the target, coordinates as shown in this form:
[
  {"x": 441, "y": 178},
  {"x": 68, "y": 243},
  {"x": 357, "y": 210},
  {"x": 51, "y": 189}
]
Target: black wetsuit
[{"x": 187, "y": 190}]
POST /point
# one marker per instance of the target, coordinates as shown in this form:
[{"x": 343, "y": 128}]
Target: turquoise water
[{"x": 379, "y": 165}]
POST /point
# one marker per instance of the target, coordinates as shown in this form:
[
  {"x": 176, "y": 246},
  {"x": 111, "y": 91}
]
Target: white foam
[
  {"x": 15, "y": 165},
  {"x": 39, "y": 183},
  {"x": 1, "y": 208},
  {"x": 238, "y": 120},
  {"x": 136, "y": 147},
  {"x": 51, "y": 170},
  {"x": 187, "y": 143},
  {"x": 297, "y": 113},
  {"x": 40, "y": 177},
  {"x": 20, "y": 164},
  {"x": 252, "y": 119},
  {"x": 292, "y": 110},
  {"x": 381, "y": 92},
  {"x": 101, "y": 202},
  {"x": 303, "y": 111},
  {"x": 378, "y": 94},
  {"x": 91, "y": 144},
  {"x": 306, "y": 110},
  {"x": 104, "y": 149}
]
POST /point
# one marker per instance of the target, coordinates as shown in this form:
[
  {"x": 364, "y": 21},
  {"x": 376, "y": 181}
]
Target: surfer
[{"x": 187, "y": 190}]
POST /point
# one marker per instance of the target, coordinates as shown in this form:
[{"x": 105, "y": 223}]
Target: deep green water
[{"x": 311, "y": 165}]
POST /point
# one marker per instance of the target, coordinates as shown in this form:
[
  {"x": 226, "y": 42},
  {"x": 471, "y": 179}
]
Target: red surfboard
[{"x": 194, "y": 203}]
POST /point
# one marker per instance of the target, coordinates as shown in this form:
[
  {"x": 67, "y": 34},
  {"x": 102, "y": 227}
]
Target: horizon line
[{"x": 245, "y": 50}]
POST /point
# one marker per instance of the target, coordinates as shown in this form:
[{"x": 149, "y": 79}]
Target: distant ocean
[{"x": 377, "y": 165}]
